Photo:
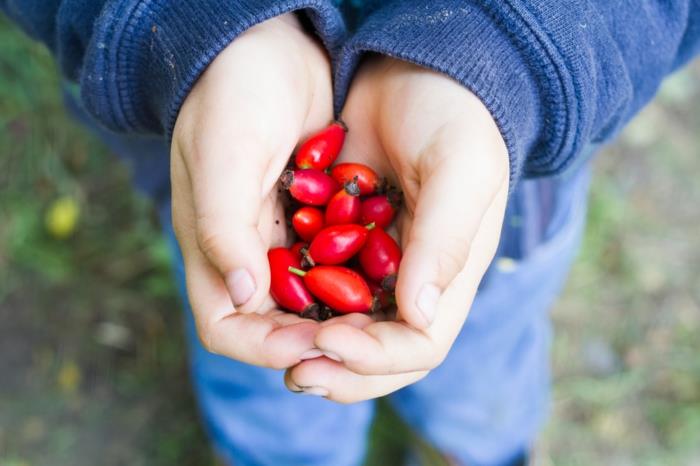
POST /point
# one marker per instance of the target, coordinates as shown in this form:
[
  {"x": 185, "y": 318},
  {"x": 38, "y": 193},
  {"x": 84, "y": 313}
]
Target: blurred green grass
[
  {"x": 92, "y": 361},
  {"x": 626, "y": 352}
]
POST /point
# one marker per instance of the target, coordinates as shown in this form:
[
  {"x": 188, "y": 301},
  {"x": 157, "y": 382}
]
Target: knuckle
[
  {"x": 182, "y": 227},
  {"x": 209, "y": 237},
  {"x": 452, "y": 255},
  {"x": 450, "y": 250},
  {"x": 206, "y": 329},
  {"x": 179, "y": 230},
  {"x": 196, "y": 156},
  {"x": 270, "y": 352}
]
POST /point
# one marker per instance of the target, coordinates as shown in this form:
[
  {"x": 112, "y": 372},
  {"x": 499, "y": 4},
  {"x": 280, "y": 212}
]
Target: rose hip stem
[
  {"x": 322, "y": 148},
  {"x": 336, "y": 244},
  {"x": 381, "y": 208},
  {"x": 309, "y": 186},
  {"x": 287, "y": 289},
  {"x": 384, "y": 299},
  {"x": 342, "y": 289},
  {"x": 380, "y": 258},
  {"x": 298, "y": 249},
  {"x": 307, "y": 222},
  {"x": 367, "y": 179},
  {"x": 345, "y": 205}
]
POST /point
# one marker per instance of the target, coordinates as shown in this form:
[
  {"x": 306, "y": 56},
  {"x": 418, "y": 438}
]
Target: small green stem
[
  {"x": 370, "y": 226},
  {"x": 296, "y": 271}
]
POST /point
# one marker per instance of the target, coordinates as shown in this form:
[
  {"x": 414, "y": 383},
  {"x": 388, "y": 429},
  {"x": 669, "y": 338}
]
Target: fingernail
[
  {"x": 332, "y": 356},
  {"x": 427, "y": 301},
  {"x": 311, "y": 354},
  {"x": 241, "y": 286},
  {"x": 315, "y": 391}
]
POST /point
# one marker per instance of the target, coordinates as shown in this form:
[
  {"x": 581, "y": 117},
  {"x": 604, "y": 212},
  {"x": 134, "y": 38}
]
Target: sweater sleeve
[
  {"x": 136, "y": 61},
  {"x": 556, "y": 76}
]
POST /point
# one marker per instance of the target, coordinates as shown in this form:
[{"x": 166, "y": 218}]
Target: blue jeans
[{"x": 483, "y": 406}]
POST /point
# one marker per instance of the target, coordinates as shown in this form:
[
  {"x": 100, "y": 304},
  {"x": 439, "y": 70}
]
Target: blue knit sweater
[{"x": 557, "y": 75}]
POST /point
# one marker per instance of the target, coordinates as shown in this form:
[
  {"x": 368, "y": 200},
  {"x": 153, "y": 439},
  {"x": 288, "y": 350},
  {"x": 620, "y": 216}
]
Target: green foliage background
[{"x": 92, "y": 362}]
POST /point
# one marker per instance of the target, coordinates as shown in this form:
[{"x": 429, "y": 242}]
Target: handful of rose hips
[{"x": 344, "y": 260}]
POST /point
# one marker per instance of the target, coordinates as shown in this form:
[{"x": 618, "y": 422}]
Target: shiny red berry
[
  {"x": 343, "y": 289},
  {"x": 380, "y": 209},
  {"x": 336, "y": 244},
  {"x": 322, "y": 148},
  {"x": 345, "y": 205},
  {"x": 309, "y": 186},
  {"x": 286, "y": 288},
  {"x": 367, "y": 179},
  {"x": 380, "y": 258},
  {"x": 307, "y": 222}
]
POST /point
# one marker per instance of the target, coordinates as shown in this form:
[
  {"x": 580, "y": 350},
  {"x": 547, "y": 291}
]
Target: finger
[
  {"x": 239, "y": 129},
  {"x": 330, "y": 379},
  {"x": 379, "y": 348},
  {"x": 226, "y": 186},
  {"x": 458, "y": 181},
  {"x": 354, "y": 319},
  {"x": 274, "y": 340},
  {"x": 397, "y": 347}
]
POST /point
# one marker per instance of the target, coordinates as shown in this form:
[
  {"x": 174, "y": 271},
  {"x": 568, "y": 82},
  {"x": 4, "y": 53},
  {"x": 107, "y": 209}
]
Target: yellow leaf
[
  {"x": 62, "y": 217},
  {"x": 69, "y": 377}
]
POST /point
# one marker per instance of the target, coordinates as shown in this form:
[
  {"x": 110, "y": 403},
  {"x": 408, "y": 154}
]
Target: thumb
[
  {"x": 455, "y": 191},
  {"x": 227, "y": 186}
]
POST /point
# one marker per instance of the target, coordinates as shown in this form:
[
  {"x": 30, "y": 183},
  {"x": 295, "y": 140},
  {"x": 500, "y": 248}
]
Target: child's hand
[
  {"x": 448, "y": 156},
  {"x": 233, "y": 138}
]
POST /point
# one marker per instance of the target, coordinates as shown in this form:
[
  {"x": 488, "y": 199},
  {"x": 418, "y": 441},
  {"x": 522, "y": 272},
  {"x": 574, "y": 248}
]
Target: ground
[{"x": 92, "y": 363}]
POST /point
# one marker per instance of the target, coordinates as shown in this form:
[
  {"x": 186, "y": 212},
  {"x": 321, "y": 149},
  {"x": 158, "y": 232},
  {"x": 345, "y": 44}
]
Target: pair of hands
[{"x": 265, "y": 92}]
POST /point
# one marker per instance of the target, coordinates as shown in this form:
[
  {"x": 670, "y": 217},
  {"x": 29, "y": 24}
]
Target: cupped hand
[
  {"x": 235, "y": 132},
  {"x": 442, "y": 146}
]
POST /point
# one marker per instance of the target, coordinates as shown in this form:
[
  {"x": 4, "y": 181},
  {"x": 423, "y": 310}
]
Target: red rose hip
[
  {"x": 342, "y": 289},
  {"x": 286, "y": 288},
  {"x": 322, "y": 148},
  {"x": 336, "y": 244},
  {"x": 380, "y": 209},
  {"x": 309, "y": 186},
  {"x": 367, "y": 179},
  {"x": 380, "y": 258},
  {"x": 345, "y": 205},
  {"x": 307, "y": 222}
]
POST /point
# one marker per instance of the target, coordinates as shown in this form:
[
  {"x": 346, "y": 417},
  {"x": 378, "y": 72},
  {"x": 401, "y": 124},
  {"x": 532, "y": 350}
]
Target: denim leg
[
  {"x": 485, "y": 404},
  {"x": 253, "y": 420}
]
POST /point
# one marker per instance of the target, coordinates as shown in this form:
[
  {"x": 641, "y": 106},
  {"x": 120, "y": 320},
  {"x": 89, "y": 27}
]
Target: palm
[
  {"x": 437, "y": 141},
  {"x": 270, "y": 88}
]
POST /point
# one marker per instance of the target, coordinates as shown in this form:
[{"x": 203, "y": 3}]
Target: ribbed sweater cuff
[
  {"x": 145, "y": 56},
  {"x": 469, "y": 44}
]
